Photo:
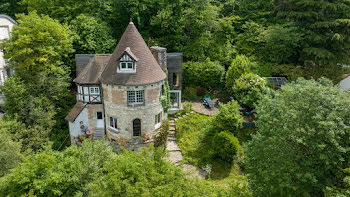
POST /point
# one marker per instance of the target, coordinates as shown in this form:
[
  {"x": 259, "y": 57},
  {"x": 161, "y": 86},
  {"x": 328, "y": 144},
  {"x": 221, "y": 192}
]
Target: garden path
[
  {"x": 175, "y": 154},
  {"x": 198, "y": 107}
]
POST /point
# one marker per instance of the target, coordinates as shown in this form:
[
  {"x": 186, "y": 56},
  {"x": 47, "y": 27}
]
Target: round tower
[{"x": 132, "y": 87}]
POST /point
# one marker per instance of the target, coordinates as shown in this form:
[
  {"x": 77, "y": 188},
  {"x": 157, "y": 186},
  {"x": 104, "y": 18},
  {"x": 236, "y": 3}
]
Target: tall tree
[
  {"x": 302, "y": 143},
  {"x": 91, "y": 35},
  {"x": 325, "y": 26},
  {"x": 12, "y": 7},
  {"x": 36, "y": 51}
]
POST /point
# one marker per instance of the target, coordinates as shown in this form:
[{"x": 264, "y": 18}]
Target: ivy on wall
[{"x": 165, "y": 99}]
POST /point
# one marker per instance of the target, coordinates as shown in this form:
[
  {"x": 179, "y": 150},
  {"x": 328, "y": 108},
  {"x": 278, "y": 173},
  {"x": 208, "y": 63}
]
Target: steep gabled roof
[
  {"x": 74, "y": 113},
  {"x": 93, "y": 70},
  {"x": 147, "y": 69}
]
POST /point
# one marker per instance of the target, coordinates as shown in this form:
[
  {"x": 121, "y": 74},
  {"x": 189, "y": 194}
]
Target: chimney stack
[{"x": 159, "y": 54}]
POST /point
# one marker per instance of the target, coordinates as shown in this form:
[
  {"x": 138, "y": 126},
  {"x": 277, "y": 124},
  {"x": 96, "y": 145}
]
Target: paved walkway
[
  {"x": 175, "y": 154},
  {"x": 198, "y": 107}
]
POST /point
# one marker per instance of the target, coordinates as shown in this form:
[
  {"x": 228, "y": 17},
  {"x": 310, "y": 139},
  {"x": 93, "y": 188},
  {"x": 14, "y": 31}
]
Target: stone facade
[
  {"x": 159, "y": 53},
  {"x": 116, "y": 106},
  {"x": 92, "y": 115}
]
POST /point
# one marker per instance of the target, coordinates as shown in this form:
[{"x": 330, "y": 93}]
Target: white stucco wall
[
  {"x": 74, "y": 127},
  {"x": 345, "y": 83},
  {"x": 6, "y": 25}
]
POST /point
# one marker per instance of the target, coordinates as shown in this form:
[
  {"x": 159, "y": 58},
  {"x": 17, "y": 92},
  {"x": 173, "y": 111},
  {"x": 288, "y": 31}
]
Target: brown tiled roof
[
  {"x": 147, "y": 69},
  {"x": 93, "y": 70},
  {"x": 74, "y": 113},
  {"x": 81, "y": 60}
]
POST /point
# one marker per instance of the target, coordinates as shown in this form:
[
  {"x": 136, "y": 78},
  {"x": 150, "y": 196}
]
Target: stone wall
[
  {"x": 92, "y": 109},
  {"x": 115, "y": 105},
  {"x": 159, "y": 53}
]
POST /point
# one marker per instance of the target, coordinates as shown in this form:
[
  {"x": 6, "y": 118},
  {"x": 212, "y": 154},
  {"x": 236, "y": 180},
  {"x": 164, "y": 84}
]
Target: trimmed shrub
[
  {"x": 206, "y": 74},
  {"x": 247, "y": 89},
  {"x": 160, "y": 138},
  {"x": 228, "y": 118},
  {"x": 226, "y": 146}
]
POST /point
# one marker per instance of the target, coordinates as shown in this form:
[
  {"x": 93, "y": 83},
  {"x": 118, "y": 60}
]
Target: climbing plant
[{"x": 165, "y": 99}]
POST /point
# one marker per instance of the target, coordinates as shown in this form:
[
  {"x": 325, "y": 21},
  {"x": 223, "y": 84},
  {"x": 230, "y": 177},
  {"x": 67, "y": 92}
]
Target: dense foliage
[
  {"x": 226, "y": 146},
  {"x": 247, "y": 89},
  {"x": 91, "y": 35},
  {"x": 95, "y": 170},
  {"x": 240, "y": 65},
  {"x": 37, "y": 50},
  {"x": 161, "y": 137},
  {"x": 9, "y": 150},
  {"x": 302, "y": 143},
  {"x": 207, "y": 74},
  {"x": 228, "y": 118}
]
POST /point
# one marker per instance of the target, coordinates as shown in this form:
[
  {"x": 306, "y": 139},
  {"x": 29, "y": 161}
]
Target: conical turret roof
[{"x": 147, "y": 69}]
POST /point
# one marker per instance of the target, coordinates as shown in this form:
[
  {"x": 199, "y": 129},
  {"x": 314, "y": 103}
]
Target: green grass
[{"x": 194, "y": 141}]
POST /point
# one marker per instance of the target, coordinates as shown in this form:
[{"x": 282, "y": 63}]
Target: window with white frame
[
  {"x": 94, "y": 90},
  {"x": 135, "y": 97},
  {"x": 126, "y": 64},
  {"x": 113, "y": 123},
  {"x": 158, "y": 118}
]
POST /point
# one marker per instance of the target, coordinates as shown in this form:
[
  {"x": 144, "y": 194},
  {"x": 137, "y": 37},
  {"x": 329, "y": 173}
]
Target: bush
[
  {"x": 226, "y": 146},
  {"x": 189, "y": 93},
  {"x": 228, "y": 118},
  {"x": 207, "y": 74},
  {"x": 240, "y": 65},
  {"x": 161, "y": 136},
  {"x": 247, "y": 89}
]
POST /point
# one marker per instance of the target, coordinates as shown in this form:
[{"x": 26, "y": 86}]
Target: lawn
[{"x": 194, "y": 139}]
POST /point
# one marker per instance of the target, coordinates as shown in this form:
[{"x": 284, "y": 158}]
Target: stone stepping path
[{"x": 175, "y": 154}]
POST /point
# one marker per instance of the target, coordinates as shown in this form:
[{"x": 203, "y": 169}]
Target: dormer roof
[
  {"x": 147, "y": 69},
  {"x": 128, "y": 52}
]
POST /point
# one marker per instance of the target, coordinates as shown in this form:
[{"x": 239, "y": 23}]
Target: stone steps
[{"x": 99, "y": 134}]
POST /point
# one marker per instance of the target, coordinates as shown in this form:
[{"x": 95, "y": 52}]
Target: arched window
[{"x": 136, "y": 127}]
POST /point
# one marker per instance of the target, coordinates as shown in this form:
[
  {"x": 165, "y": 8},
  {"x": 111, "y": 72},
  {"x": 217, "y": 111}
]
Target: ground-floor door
[
  {"x": 99, "y": 120},
  {"x": 137, "y": 127}
]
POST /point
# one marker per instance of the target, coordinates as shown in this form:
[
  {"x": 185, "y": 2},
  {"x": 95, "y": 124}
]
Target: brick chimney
[{"x": 159, "y": 54}]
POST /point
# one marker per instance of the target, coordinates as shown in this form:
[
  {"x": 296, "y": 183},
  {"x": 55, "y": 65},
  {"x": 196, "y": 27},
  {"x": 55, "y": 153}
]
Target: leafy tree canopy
[
  {"x": 205, "y": 74},
  {"x": 302, "y": 141},
  {"x": 95, "y": 170},
  {"x": 91, "y": 35}
]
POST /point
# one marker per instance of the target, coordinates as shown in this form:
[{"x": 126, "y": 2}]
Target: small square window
[
  {"x": 130, "y": 65},
  {"x": 94, "y": 90},
  {"x": 123, "y": 65},
  {"x": 135, "y": 97},
  {"x": 99, "y": 115}
]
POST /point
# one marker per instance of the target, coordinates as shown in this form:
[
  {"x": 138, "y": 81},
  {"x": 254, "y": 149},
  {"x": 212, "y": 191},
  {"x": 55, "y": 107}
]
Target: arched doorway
[{"x": 136, "y": 127}]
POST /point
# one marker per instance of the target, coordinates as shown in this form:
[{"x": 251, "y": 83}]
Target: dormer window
[
  {"x": 127, "y": 62},
  {"x": 126, "y": 65}
]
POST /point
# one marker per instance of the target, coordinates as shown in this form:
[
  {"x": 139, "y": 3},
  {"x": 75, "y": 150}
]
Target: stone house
[
  {"x": 119, "y": 95},
  {"x": 6, "y": 25}
]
